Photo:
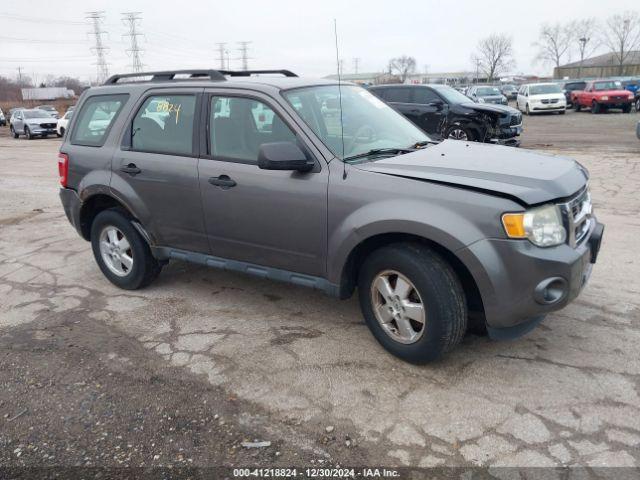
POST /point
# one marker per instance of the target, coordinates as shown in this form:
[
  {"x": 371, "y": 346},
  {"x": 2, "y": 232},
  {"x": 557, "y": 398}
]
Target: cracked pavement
[{"x": 297, "y": 361}]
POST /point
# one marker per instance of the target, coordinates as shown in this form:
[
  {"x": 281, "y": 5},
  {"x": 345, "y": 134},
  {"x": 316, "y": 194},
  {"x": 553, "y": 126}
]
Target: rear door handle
[
  {"x": 131, "y": 169},
  {"x": 222, "y": 181}
]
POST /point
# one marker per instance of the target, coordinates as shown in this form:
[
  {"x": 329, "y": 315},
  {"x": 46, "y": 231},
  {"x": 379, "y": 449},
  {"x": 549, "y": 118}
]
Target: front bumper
[
  {"x": 512, "y": 276},
  {"x": 42, "y": 131},
  {"x": 72, "y": 204},
  {"x": 550, "y": 107}
]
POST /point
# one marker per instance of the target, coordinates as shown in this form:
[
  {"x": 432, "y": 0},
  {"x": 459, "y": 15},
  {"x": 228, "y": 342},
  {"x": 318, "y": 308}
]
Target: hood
[
  {"x": 489, "y": 107},
  {"x": 43, "y": 119},
  {"x": 617, "y": 91},
  {"x": 526, "y": 176}
]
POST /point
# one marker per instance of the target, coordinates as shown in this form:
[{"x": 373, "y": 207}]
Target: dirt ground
[{"x": 183, "y": 372}]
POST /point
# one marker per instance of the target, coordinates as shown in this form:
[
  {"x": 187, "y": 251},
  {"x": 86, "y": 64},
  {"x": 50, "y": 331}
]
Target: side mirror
[
  {"x": 283, "y": 156},
  {"x": 437, "y": 103}
]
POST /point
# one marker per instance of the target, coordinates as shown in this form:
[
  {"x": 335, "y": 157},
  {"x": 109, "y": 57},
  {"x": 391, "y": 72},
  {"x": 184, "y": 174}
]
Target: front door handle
[
  {"x": 131, "y": 169},
  {"x": 222, "y": 181}
]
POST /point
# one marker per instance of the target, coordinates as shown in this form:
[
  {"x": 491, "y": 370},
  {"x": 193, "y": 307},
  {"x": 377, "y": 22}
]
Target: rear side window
[
  {"x": 164, "y": 124},
  {"x": 95, "y": 119},
  {"x": 379, "y": 92},
  {"x": 398, "y": 95}
]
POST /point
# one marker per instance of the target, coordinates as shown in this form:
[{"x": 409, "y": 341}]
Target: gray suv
[{"x": 324, "y": 185}]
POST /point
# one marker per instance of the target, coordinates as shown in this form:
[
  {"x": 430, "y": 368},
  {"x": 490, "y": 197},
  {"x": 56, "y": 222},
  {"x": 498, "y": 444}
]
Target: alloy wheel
[
  {"x": 116, "y": 251},
  {"x": 398, "y": 307},
  {"x": 458, "y": 134}
]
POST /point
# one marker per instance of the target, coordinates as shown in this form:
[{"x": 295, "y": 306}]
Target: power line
[
  {"x": 244, "y": 50},
  {"x": 131, "y": 19},
  {"x": 48, "y": 21},
  {"x": 96, "y": 19}
]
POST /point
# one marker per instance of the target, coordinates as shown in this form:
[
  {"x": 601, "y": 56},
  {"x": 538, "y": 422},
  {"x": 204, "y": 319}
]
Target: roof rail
[
  {"x": 167, "y": 75},
  {"x": 248, "y": 73},
  {"x": 195, "y": 74}
]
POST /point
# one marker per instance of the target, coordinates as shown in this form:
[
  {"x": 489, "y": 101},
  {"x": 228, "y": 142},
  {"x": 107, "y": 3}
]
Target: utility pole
[
  {"x": 221, "y": 54},
  {"x": 131, "y": 20},
  {"x": 244, "y": 49},
  {"x": 20, "y": 76},
  {"x": 583, "y": 47},
  {"x": 356, "y": 64},
  {"x": 95, "y": 20}
]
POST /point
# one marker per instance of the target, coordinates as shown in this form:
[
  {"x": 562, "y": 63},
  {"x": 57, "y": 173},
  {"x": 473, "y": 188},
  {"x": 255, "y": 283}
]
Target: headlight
[
  {"x": 604, "y": 97},
  {"x": 542, "y": 226},
  {"x": 33, "y": 124}
]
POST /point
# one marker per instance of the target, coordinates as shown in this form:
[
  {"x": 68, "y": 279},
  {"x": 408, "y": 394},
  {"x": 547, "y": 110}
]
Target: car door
[
  {"x": 272, "y": 218},
  {"x": 429, "y": 111},
  {"x": 156, "y": 169},
  {"x": 400, "y": 99},
  {"x": 18, "y": 122}
]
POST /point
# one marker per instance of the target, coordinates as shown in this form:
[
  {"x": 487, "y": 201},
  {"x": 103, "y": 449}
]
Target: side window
[
  {"x": 399, "y": 95},
  {"x": 238, "y": 126},
  {"x": 96, "y": 116},
  {"x": 424, "y": 96},
  {"x": 379, "y": 92},
  {"x": 164, "y": 124}
]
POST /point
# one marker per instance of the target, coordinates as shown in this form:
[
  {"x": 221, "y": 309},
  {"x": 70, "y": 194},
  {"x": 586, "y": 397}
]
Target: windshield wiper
[{"x": 379, "y": 151}]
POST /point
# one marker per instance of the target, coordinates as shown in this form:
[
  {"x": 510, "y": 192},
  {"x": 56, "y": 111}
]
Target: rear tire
[
  {"x": 143, "y": 267},
  {"x": 432, "y": 284}
]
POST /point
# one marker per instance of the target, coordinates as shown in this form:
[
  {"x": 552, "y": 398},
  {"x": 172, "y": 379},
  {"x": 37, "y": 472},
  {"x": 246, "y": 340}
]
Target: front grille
[
  {"x": 577, "y": 217},
  {"x": 48, "y": 125},
  {"x": 516, "y": 119}
]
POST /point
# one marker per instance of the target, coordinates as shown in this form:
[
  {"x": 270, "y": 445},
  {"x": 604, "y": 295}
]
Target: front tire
[
  {"x": 527, "y": 111},
  {"x": 122, "y": 254},
  {"x": 577, "y": 107},
  {"x": 412, "y": 302},
  {"x": 27, "y": 133},
  {"x": 626, "y": 108},
  {"x": 457, "y": 132},
  {"x": 595, "y": 107},
  {"x": 13, "y": 132}
]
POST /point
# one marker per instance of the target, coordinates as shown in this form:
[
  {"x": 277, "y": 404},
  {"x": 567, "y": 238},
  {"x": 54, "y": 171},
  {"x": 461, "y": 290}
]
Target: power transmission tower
[
  {"x": 221, "y": 54},
  {"x": 356, "y": 64},
  {"x": 95, "y": 20},
  {"x": 244, "y": 49},
  {"x": 131, "y": 20}
]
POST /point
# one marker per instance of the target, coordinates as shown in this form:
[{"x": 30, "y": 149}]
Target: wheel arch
[
  {"x": 100, "y": 202},
  {"x": 359, "y": 253}
]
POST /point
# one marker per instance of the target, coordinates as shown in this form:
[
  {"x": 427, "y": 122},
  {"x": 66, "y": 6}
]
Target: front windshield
[
  {"x": 366, "y": 122},
  {"x": 509, "y": 88},
  {"x": 611, "y": 85},
  {"x": 544, "y": 88},
  {"x": 451, "y": 94},
  {"x": 35, "y": 114},
  {"x": 486, "y": 91}
]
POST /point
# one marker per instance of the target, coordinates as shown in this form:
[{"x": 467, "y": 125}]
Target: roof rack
[
  {"x": 248, "y": 73},
  {"x": 217, "y": 75}
]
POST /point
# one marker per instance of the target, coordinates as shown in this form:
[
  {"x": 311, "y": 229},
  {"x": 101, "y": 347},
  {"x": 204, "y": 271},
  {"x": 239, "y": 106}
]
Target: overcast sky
[{"x": 50, "y": 37}]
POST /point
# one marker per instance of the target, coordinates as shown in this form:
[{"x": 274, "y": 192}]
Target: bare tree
[
  {"x": 554, "y": 43},
  {"x": 583, "y": 33},
  {"x": 622, "y": 35},
  {"x": 494, "y": 55},
  {"x": 402, "y": 66}
]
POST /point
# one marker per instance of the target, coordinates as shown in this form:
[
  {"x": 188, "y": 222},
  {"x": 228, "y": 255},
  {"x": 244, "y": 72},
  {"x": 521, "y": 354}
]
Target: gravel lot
[{"x": 183, "y": 372}]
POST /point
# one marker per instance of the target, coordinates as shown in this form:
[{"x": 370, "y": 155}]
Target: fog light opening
[{"x": 551, "y": 290}]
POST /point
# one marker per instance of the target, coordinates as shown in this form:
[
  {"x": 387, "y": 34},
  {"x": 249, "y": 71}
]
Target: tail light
[{"x": 63, "y": 168}]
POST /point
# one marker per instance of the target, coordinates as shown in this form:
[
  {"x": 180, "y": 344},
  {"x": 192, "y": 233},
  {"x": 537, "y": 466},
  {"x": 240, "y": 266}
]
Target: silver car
[{"x": 32, "y": 123}]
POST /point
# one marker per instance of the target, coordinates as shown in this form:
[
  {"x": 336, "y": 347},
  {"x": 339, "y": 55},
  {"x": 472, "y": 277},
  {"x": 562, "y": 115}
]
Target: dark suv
[
  {"x": 570, "y": 87},
  {"x": 261, "y": 175},
  {"x": 443, "y": 112}
]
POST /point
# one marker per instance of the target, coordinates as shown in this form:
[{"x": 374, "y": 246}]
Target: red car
[{"x": 600, "y": 95}]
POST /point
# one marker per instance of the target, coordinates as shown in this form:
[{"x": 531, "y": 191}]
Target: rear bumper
[
  {"x": 520, "y": 283},
  {"x": 72, "y": 204}
]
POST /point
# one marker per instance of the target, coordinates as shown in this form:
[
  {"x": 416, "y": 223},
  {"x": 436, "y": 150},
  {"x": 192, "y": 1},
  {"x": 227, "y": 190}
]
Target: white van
[{"x": 541, "y": 97}]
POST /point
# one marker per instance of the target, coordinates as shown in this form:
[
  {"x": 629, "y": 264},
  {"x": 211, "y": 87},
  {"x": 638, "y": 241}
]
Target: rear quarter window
[{"x": 95, "y": 119}]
